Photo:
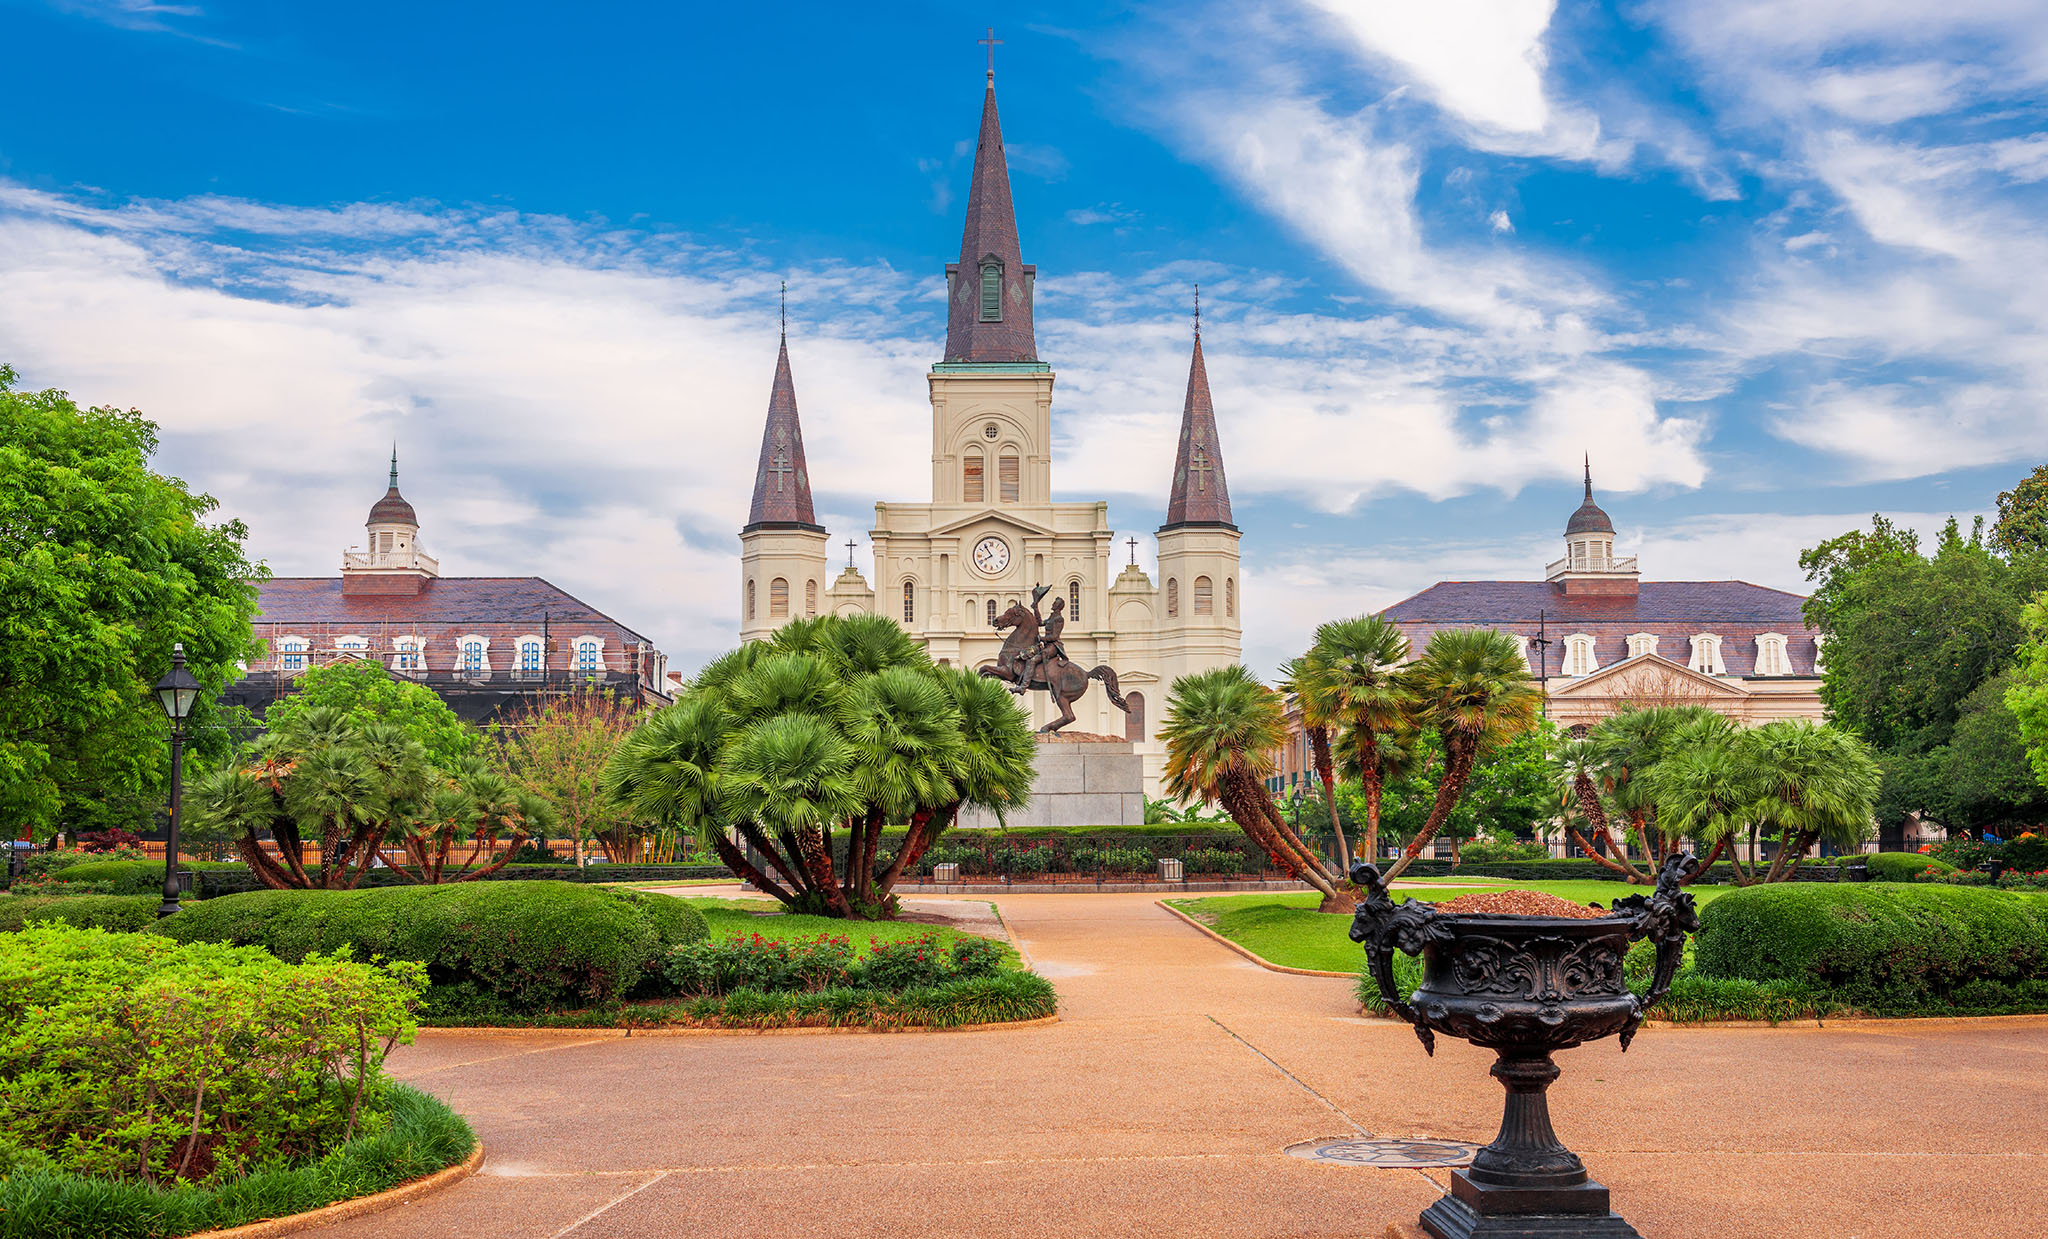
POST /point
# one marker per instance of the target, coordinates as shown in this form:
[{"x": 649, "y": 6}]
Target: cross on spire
[
  {"x": 991, "y": 42},
  {"x": 1133, "y": 544},
  {"x": 1199, "y": 465},
  {"x": 849, "y": 554},
  {"x": 778, "y": 467}
]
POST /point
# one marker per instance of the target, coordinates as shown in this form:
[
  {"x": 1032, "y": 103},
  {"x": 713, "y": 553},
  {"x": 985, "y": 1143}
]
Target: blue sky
[{"x": 1773, "y": 267}]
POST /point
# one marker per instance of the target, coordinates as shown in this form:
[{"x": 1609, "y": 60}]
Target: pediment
[
  {"x": 1650, "y": 676},
  {"x": 994, "y": 516}
]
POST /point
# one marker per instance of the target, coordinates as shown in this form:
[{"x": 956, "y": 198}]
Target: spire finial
[
  {"x": 1589, "y": 475},
  {"x": 394, "y": 464},
  {"x": 990, "y": 42},
  {"x": 785, "y": 311},
  {"x": 1198, "y": 311}
]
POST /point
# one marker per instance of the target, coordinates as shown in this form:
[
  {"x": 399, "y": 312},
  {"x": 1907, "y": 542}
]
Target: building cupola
[
  {"x": 1589, "y": 566},
  {"x": 393, "y": 561}
]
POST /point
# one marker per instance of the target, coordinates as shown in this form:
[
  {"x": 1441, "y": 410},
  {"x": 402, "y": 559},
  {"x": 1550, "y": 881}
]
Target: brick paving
[{"x": 1163, "y": 1101}]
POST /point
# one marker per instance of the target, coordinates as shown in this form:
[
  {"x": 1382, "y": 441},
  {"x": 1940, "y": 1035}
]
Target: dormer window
[
  {"x": 291, "y": 653},
  {"x": 1820, "y": 653},
  {"x": 1578, "y": 655},
  {"x": 589, "y": 654},
  {"x": 1706, "y": 654},
  {"x": 1641, "y": 643},
  {"x": 1770, "y": 655},
  {"x": 991, "y": 291}
]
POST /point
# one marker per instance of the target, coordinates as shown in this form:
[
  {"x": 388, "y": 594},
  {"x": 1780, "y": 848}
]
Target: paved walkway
[{"x": 1160, "y": 1104}]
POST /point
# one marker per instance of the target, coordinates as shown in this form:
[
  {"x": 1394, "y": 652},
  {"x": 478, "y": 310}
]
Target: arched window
[
  {"x": 529, "y": 656},
  {"x": 1706, "y": 654},
  {"x": 991, "y": 611},
  {"x": 1770, "y": 655},
  {"x": 750, "y": 600},
  {"x": 778, "y": 599},
  {"x": 810, "y": 598},
  {"x": 1641, "y": 643},
  {"x": 971, "y": 490},
  {"x": 1205, "y": 596},
  {"x": 1134, "y": 718},
  {"x": 1172, "y": 596},
  {"x": 1006, "y": 477},
  {"x": 909, "y": 603},
  {"x": 589, "y": 654},
  {"x": 1230, "y": 596},
  {"x": 291, "y": 653},
  {"x": 1074, "y": 601},
  {"x": 472, "y": 656},
  {"x": 991, "y": 292},
  {"x": 1579, "y": 658}
]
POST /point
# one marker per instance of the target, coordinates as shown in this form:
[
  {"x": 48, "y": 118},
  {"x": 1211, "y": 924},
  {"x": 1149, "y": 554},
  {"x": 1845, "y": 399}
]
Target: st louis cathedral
[{"x": 991, "y": 532}]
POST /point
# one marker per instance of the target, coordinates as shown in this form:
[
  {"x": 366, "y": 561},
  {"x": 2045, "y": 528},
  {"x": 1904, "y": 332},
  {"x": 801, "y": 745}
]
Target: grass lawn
[
  {"x": 675, "y": 882},
  {"x": 1287, "y": 930},
  {"x": 734, "y": 918}
]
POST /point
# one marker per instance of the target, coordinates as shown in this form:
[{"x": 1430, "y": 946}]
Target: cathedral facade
[{"x": 992, "y": 532}]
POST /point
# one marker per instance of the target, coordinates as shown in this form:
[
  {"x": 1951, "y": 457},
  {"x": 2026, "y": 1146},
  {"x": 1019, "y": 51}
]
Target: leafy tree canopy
[
  {"x": 2022, "y": 524},
  {"x": 2027, "y": 695},
  {"x": 363, "y": 692},
  {"x": 103, "y": 566}
]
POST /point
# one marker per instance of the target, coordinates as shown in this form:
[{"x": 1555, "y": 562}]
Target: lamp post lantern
[{"x": 176, "y": 693}]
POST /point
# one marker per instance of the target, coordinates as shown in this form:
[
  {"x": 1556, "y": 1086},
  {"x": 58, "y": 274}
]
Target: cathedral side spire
[
  {"x": 782, "y": 485},
  {"x": 1201, "y": 495},
  {"x": 990, "y": 288}
]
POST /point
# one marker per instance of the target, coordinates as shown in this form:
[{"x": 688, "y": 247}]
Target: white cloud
[{"x": 1499, "y": 222}]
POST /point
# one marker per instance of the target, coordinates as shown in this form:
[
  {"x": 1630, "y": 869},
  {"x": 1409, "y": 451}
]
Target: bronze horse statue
[{"x": 1063, "y": 679}]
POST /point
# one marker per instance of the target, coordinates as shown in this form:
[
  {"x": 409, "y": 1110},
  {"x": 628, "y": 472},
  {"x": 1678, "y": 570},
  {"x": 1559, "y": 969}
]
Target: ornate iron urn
[{"x": 1524, "y": 987}]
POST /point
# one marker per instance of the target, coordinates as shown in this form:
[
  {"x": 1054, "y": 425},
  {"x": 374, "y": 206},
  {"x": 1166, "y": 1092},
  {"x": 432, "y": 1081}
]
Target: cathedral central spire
[{"x": 989, "y": 290}]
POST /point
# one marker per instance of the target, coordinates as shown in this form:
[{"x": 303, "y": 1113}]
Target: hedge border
[{"x": 361, "y": 1206}]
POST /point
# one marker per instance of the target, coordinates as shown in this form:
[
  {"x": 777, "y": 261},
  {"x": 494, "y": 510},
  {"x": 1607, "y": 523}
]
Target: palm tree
[
  {"x": 1303, "y": 679},
  {"x": 1222, "y": 729},
  {"x": 995, "y": 765},
  {"x": 1580, "y": 766},
  {"x": 1818, "y": 784},
  {"x": 795, "y": 775},
  {"x": 1472, "y": 688},
  {"x": 1634, "y": 741},
  {"x": 1708, "y": 789},
  {"x": 905, "y": 729},
  {"x": 1356, "y": 672}
]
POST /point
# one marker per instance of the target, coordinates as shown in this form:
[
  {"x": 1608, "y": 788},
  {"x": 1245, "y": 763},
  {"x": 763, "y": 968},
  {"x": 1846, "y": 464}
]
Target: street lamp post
[{"x": 176, "y": 693}]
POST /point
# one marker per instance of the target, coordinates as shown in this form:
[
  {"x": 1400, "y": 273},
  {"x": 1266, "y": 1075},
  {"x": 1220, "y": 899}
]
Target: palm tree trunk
[
  {"x": 736, "y": 860},
  {"x": 814, "y": 844},
  {"x": 869, "y": 847},
  {"x": 1458, "y": 758},
  {"x": 785, "y": 867},
  {"x": 267, "y": 871},
  {"x": 1279, "y": 841},
  {"x": 504, "y": 858},
  {"x": 1375, "y": 786},
  {"x": 1596, "y": 815},
  {"x": 1326, "y": 769},
  {"x": 922, "y": 823},
  {"x": 1708, "y": 863}
]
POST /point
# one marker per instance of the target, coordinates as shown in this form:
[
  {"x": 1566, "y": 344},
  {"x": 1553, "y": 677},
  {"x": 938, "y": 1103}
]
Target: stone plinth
[{"x": 1083, "y": 780}]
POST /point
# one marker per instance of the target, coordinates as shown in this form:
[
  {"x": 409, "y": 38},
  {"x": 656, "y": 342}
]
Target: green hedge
[
  {"x": 234, "y": 879},
  {"x": 1884, "y": 948},
  {"x": 1003, "y": 998},
  {"x": 489, "y": 947},
  {"x": 1903, "y": 866},
  {"x": 134, "y": 877},
  {"x": 423, "y": 1136},
  {"x": 130, "y": 913}
]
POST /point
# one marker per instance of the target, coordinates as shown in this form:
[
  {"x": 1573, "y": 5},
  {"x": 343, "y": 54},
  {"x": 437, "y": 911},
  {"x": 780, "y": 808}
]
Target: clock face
[{"x": 991, "y": 555}]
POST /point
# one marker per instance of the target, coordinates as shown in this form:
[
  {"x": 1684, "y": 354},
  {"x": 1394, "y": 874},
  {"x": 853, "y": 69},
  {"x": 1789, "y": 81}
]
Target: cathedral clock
[{"x": 991, "y": 556}]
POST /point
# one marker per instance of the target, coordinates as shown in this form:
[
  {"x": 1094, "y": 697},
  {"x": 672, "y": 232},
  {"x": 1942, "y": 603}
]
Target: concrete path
[{"x": 1159, "y": 1106}]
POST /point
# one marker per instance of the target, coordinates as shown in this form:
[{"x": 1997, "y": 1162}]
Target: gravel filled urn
[{"x": 1524, "y": 987}]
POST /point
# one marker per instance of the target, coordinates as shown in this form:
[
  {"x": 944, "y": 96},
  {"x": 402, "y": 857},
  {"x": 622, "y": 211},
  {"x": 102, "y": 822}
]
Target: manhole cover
[{"x": 1386, "y": 1154}]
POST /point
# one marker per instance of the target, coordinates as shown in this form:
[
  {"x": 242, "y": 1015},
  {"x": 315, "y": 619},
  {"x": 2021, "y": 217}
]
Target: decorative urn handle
[
  {"x": 1383, "y": 928},
  {"x": 1665, "y": 918}
]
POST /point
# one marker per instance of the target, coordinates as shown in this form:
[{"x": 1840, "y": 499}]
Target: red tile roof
[{"x": 442, "y": 601}]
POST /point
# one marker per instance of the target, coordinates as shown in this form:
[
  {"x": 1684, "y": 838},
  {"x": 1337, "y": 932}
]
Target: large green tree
[
  {"x": 2027, "y": 695},
  {"x": 363, "y": 692},
  {"x": 104, "y": 564},
  {"x": 1912, "y": 641},
  {"x": 2022, "y": 523}
]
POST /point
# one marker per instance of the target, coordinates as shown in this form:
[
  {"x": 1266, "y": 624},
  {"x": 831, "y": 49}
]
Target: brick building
[{"x": 481, "y": 643}]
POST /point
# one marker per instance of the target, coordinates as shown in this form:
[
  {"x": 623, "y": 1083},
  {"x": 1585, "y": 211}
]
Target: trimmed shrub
[
  {"x": 997, "y": 999},
  {"x": 488, "y": 946},
  {"x": 1903, "y": 866},
  {"x": 50, "y": 886},
  {"x": 1883, "y": 948},
  {"x": 2028, "y": 853},
  {"x": 128, "y": 1056},
  {"x": 134, "y": 877},
  {"x": 129, "y": 913},
  {"x": 50, "y": 862}
]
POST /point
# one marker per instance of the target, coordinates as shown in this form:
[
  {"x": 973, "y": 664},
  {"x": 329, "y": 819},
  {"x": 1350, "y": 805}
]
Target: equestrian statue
[{"x": 1033, "y": 657}]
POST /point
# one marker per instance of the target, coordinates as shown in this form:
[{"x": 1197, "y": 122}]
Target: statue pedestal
[{"x": 1083, "y": 780}]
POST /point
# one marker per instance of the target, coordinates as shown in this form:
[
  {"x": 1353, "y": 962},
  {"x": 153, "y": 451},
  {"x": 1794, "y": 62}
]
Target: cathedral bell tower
[
  {"x": 1200, "y": 623},
  {"x": 782, "y": 546}
]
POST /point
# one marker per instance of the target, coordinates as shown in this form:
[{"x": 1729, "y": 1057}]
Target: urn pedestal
[{"x": 1524, "y": 987}]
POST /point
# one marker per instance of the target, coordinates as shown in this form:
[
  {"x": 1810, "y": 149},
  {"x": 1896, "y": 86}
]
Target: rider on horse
[{"x": 1050, "y": 652}]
